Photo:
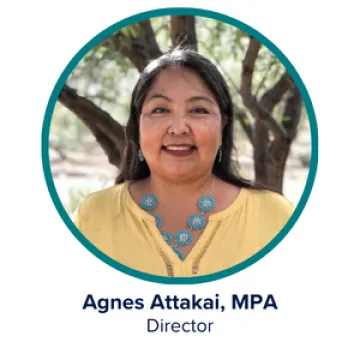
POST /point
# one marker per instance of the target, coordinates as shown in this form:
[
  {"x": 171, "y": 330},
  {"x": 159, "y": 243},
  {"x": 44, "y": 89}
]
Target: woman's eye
[
  {"x": 159, "y": 110},
  {"x": 199, "y": 110}
]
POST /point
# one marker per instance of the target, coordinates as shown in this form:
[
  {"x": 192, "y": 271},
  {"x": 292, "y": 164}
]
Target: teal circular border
[{"x": 46, "y": 159}]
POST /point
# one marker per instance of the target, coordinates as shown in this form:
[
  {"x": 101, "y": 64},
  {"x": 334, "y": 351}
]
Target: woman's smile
[{"x": 181, "y": 150}]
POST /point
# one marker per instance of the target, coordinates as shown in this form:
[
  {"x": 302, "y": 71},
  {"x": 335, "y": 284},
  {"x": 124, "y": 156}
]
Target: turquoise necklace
[{"x": 197, "y": 221}]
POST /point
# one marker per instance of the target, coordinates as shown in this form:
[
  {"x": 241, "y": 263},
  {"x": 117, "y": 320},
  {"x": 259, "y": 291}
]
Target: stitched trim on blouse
[
  {"x": 195, "y": 267},
  {"x": 168, "y": 265}
]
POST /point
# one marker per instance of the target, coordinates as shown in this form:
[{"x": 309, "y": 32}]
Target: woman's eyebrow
[
  {"x": 157, "y": 95},
  {"x": 200, "y": 98},
  {"x": 191, "y": 99}
]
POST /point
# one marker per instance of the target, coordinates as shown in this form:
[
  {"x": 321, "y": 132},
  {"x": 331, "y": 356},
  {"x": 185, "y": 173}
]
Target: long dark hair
[{"x": 227, "y": 169}]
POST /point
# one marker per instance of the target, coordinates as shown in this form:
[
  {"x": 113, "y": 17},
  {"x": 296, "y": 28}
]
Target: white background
[{"x": 46, "y": 273}]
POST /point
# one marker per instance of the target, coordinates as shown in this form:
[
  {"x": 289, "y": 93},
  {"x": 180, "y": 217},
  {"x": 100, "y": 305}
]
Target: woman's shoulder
[
  {"x": 106, "y": 194},
  {"x": 271, "y": 201},
  {"x": 103, "y": 200},
  {"x": 269, "y": 196}
]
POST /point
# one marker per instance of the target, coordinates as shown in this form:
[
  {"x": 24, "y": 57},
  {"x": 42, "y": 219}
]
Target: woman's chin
[{"x": 179, "y": 172}]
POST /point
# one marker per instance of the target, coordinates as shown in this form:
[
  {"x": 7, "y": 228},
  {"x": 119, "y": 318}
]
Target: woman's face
[{"x": 180, "y": 125}]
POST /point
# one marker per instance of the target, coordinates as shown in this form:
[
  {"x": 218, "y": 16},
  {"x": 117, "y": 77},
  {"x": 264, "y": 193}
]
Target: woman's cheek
[
  {"x": 150, "y": 131},
  {"x": 207, "y": 136},
  {"x": 153, "y": 126}
]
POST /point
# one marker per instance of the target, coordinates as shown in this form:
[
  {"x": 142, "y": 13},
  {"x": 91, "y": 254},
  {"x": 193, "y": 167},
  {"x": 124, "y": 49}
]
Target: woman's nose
[{"x": 179, "y": 125}]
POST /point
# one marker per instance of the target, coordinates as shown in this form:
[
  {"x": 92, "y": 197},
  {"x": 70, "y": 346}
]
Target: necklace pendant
[
  {"x": 206, "y": 203},
  {"x": 196, "y": 221},
  {"x": 183, "y": 237},
  {"x": 149, "y": 202},
  {"x": 178, "y": 253}
]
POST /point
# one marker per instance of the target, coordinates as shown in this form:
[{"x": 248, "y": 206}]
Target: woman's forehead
[{"x": 179, "y": 82}]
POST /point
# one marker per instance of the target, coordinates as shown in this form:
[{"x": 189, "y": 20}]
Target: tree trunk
[
  {"x": 280, "y": 148},
  {"x": 261, "y": 156},
  {"x": 279, "y": 151},
  {"x": 139, "y": 45},
  {"x": 183, "y": 31}
]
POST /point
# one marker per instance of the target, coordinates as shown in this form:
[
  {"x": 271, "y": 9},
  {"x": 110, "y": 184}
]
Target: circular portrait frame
[{"x": 46, "y": 157}]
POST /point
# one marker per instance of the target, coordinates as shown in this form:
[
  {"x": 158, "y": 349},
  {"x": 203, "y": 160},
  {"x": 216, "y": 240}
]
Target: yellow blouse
[{"x": 117, "y": 226}]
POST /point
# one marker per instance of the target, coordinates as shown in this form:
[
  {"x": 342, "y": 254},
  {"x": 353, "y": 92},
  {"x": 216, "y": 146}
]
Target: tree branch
[
  {"x": 245, "y": 123},
  {"x": 274, "y": 95},
  {"x": 183, "y": 31},
  {"x": 261, "y": 152},
  {"x": 139, "y": 45},
  {"x": 292, "y": 113},
  {"x": 107, "y": 131},
  {"x": 279, "y": 149},
  {"x": 148, "y": 35},
  {"x": 259, "y": 112},
  {"x": 247, "y": 72}
]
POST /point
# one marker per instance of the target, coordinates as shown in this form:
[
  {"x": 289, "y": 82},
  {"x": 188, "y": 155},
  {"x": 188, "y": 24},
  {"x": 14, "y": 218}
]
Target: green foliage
[
  {"x": 161, "y": 26},
  {"x": 66, "y": 131}
]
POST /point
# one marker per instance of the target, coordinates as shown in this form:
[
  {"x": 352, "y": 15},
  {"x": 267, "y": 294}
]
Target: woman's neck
[{"x": 177, "y": 189}]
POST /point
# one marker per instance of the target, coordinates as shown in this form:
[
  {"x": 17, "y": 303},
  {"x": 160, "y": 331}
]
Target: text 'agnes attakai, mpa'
[{"x": 174, "y": 302}]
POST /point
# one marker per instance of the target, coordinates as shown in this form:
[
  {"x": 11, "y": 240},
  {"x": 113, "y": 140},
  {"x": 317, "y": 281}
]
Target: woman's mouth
[{"x": 179, "y": 150}]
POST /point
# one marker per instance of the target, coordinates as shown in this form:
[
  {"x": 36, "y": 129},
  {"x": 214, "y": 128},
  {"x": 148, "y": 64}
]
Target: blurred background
[{"x": 272, "y": 131}]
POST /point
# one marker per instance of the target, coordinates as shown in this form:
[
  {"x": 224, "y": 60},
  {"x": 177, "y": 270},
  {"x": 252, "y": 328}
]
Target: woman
[{"x": 179, "y": 206}]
